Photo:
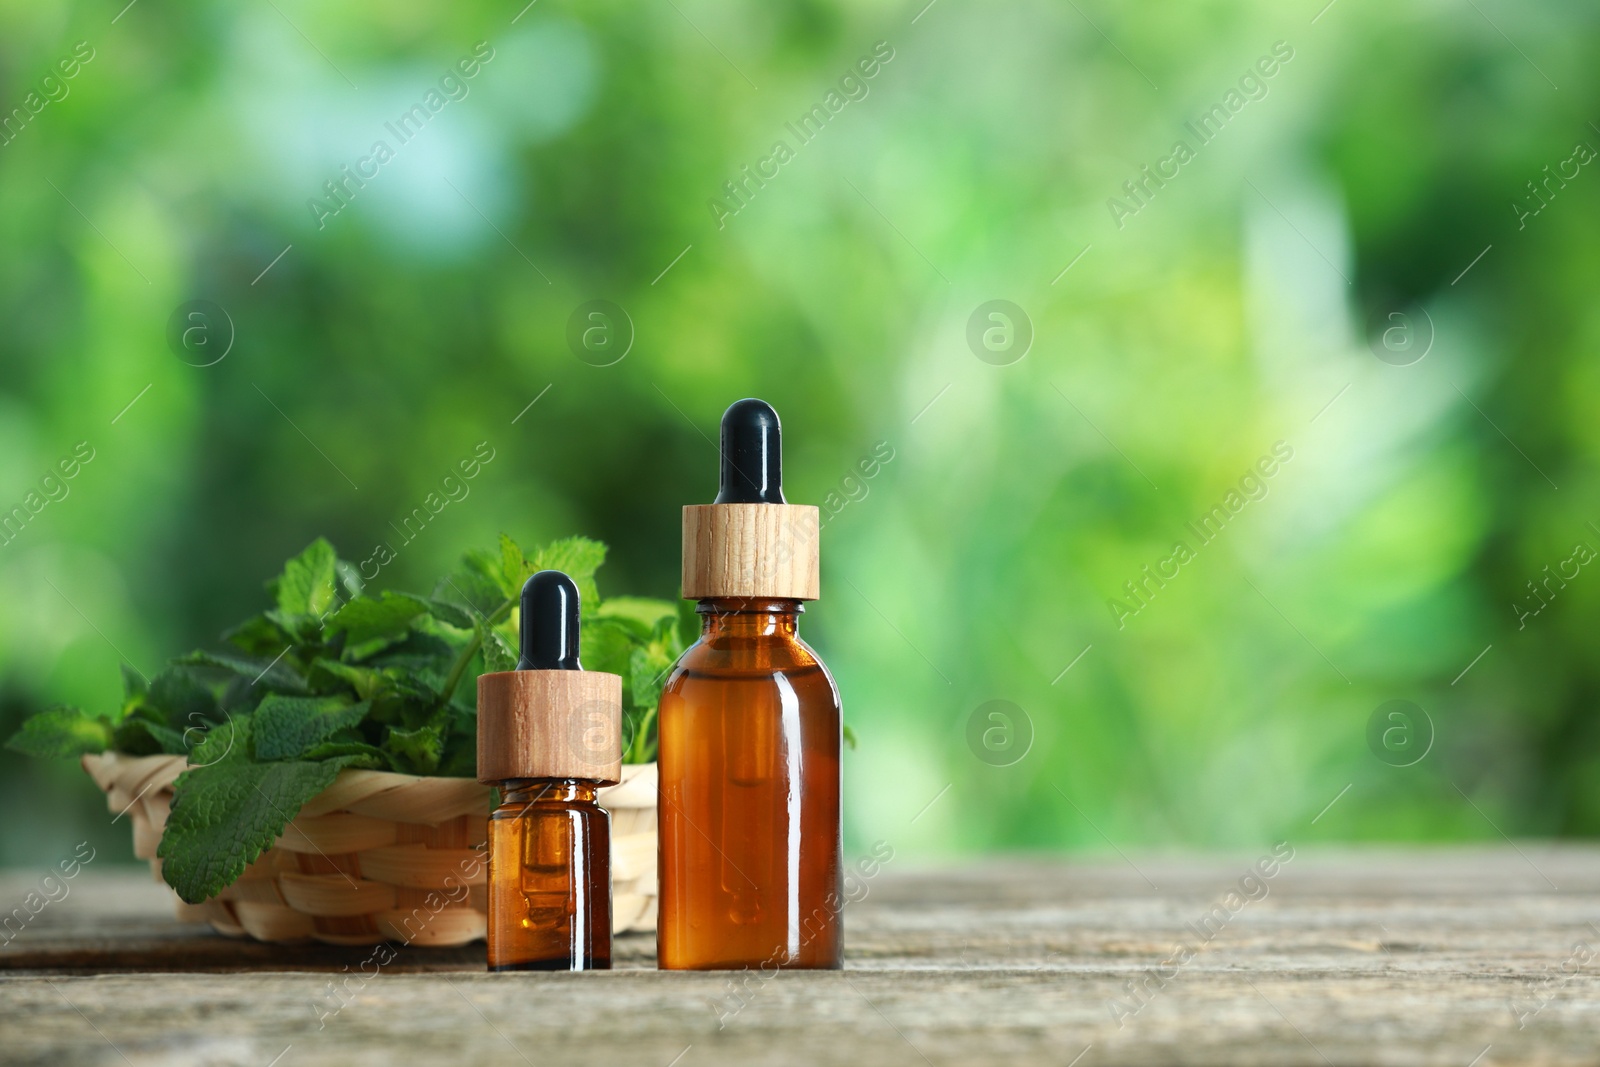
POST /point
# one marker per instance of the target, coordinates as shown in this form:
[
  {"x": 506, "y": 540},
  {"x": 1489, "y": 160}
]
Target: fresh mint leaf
[
  {"x": 227, "y": 812},
  {"x": 276, "y": 675},
  {"x": 136, "y": 691},
  {"x": 607, "y": 644},
  {"x": 350, "y": 579},
  {"x": 259, "y": 636},
  {"x": 226, "y": 740},
  {"x": 329, "y": 675},
  {"x": 460, "y": 757},
  {"x": 355, "y": 653},
  {"x": 285, "y": 727},
  {"x": 360, "y": 754},
  {"x": 416, "y": 751},
  {"x": 140, "y": 737},
  {"x": 424, "y": 643},
  {"x": 181, "y": 698},
  {"x": 404, "y": 703},
  {"x": 641, "y": 614},
  {"x": 667, "y": 635},
  {"x": 367, "y": 620},
  {"x": 61, "y": 731},
  {"x": 648, "y": 666},
  {"x": 307, "y": 585},
  {"x": 414, "y": 676},
  {"x": 515, "y": 568},
  {"x": 451, "y": 614},
  {"x": 689, "y": 623},
  {"x": 579, "y": 557},
  {"x": 480, "y": 583},
  {"x": 133, "y": 683},
  {"x": 136, "y": 734},
  {"x": 498, "y": 655}
]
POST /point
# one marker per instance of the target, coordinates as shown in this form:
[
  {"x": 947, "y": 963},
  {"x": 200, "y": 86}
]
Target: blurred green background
[{"x": 1381, "y": 170}]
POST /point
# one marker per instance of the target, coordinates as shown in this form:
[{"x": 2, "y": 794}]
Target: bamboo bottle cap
[
  {"x": 549, "y": 718},
  {"x": 750, "y": 542},
  {"x": 550, "y": 724},
  {"x": 754, "y": 550}
]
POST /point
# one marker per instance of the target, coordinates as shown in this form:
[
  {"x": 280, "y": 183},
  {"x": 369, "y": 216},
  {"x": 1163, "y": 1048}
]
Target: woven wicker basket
[{"x": 378, "y": 856}]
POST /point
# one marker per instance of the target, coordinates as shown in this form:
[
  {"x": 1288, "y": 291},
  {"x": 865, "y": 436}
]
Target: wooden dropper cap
[
  {"x": 550, "y": 718},
  {"x": 750, "y": 542}
]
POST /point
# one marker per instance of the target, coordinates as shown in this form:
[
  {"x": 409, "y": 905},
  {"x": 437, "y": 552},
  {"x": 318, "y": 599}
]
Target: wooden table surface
[{"x": 1457, "y": 957}]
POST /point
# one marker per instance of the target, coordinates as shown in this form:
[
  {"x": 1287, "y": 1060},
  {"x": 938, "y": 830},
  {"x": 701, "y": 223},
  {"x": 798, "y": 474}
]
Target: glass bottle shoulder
[{"x": 725, "y": 657}]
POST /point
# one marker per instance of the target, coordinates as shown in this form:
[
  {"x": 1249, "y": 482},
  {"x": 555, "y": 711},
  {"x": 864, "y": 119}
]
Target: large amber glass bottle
[
  {"x": 750, "y": 730},
  {"x": 549, "y": 878},
  {"x": 749, "y": 814}
]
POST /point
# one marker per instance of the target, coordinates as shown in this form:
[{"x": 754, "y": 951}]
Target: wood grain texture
[
  {"x": 550, "y": 724},
  {"x": 751, "y": 550},
  {"x": 1350, "y": 957}
]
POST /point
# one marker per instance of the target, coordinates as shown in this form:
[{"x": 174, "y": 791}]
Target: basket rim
[
  {"x": 111, "y": 760},
  {"x": 110, "y": 756}
]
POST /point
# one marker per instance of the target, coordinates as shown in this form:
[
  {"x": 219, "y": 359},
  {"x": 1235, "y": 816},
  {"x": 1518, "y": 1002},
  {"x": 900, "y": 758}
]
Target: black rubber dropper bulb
[
  {"x": 549, "y": 623},
  {"x": 752, "y": 454}
]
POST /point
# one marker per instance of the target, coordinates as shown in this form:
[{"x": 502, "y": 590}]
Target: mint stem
[
  {"x": 640, "y": 749},
  {"x": 464, "y": 657}
]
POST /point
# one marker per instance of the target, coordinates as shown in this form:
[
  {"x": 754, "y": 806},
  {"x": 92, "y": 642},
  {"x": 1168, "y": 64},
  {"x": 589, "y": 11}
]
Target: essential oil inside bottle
[{"x": 549, "y": 878}]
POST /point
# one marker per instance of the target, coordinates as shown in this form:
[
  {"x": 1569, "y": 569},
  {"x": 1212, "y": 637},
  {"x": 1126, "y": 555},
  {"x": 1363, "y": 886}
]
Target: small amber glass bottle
[
  {"x": 750, "y": 733},
  {"x": 549, "y": 878},
  {"x": 549, "y": 737}
]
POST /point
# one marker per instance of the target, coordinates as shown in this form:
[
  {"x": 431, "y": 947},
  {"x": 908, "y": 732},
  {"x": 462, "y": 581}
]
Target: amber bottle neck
[
  {"x": 547, "y": 791},
  {"x": 732, "y": 616}
]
